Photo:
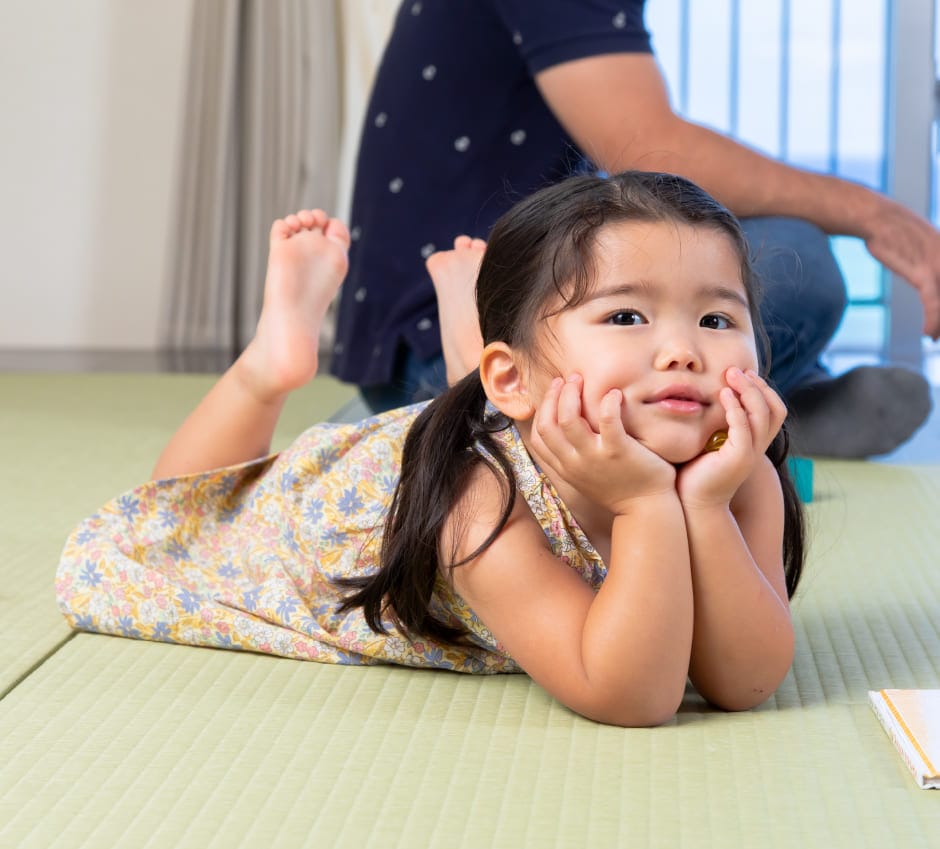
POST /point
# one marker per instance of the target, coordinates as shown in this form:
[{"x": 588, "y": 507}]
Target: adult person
[{"x": 477, "y": 103}]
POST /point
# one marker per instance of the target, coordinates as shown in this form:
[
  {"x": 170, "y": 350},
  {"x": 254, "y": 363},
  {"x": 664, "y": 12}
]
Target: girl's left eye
[{"x": 715, "y": 321}]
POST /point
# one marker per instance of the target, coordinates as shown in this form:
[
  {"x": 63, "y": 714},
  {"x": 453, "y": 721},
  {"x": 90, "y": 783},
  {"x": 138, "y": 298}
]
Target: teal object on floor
[{"x": 801, "y": 470}]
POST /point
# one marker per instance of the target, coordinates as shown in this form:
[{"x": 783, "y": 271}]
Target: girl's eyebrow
[
  {"x": 705, "y": 292},
  {"x": 723, "y": 293}
]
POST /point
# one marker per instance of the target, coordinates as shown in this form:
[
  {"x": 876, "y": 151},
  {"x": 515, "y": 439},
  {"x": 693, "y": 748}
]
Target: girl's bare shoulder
[{"x": 478, "y": 512}]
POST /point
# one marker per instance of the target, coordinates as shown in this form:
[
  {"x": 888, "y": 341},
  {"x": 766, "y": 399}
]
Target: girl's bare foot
[
  {"x": 454, "y": 274},
  {"x": 306, "y": 264}
]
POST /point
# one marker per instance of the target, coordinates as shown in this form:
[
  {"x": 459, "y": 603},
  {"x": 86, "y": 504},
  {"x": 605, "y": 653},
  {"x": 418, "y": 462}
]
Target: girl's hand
[
  {"x": 755, "y": 414},
  {"x": 608, "y": 466}
]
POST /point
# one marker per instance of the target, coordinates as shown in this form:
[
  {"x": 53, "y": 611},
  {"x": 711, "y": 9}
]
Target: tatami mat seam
[{"x": 16, "y": 682}]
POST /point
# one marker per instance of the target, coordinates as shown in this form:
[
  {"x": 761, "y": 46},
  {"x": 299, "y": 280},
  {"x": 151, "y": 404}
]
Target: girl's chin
[{"x": 677, "y": 453}]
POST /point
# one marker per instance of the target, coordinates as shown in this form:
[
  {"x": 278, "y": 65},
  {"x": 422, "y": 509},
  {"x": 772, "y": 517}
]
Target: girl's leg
[
  {"x": 454, "y": 274},
  {"x": 235, "y": 421}
]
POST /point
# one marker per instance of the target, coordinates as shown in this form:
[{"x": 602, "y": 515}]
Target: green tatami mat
[
  {"x": 68, "y": 443},
  {"x": 111, "y": 742},
  {"x": 119, "y": 743}
]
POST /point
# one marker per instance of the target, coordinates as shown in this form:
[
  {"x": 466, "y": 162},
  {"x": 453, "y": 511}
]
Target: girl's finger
[
  {"x": 553, "y": 430},
  {"x": 753, "y": 400},
  {"x": 569, "y": 403},
  {"x": 610, "y": 422},
  {"x": 572, "y": 423},
  {"x": 739, "y": 427},
  {"x": 547, "y": 412},
  {"x": 778, "y": 409}
]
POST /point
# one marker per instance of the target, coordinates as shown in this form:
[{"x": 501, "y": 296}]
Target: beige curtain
[{"x": 261, "y": 138}]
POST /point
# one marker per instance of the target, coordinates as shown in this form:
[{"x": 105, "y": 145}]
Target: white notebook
[{"x": 912, "y": 720}]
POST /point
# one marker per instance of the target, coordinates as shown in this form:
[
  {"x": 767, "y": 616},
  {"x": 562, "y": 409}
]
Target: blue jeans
[
  {"x": 803, "y": 296},
  {"x": 414, "y": 380},
  {"x": 803, "y": 301}
]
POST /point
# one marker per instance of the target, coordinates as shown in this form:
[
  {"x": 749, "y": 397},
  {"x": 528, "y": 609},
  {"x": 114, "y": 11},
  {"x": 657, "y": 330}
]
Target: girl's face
[{"x": 666, "y": 317}]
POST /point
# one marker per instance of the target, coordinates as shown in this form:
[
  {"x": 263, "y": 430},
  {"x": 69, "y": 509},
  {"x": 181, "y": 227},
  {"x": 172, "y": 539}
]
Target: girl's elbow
[
  {"x": 656, "y": 709},
  {"x": 740, "y": 695},
  {"x": 737, "y": 702},
  {"x": 643, "y": 717}
]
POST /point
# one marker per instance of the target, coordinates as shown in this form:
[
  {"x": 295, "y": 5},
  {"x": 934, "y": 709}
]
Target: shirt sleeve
[{"x": 550, "y": 32}]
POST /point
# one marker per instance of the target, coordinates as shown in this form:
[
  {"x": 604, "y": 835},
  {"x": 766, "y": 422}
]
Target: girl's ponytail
[
  {"x": 794, "y": 530},
  {"x": 437, "y": 459}
]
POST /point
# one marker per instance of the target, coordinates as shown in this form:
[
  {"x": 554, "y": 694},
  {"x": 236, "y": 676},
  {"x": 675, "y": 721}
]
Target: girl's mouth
[{"x": 679, "y": 399}]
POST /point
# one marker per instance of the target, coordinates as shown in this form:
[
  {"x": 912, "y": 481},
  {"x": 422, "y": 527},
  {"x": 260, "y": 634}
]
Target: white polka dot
[
  {"x": 429, "y": 72},
  {"x": 415, "y": 8},
  {"x": 377, "y": 351},
  {"x": 338, "y": 348},
  {"x": 396, "y": 185},
  {"x": 517, "y": 137},
  {"x": 355, "y": 233},
  {"x": 360, "y": 295},
  {"x": 462, "y": 143},
  {"x": 381, "y": 119},
  {"x": 425, "y": 324},
  {"x": 620, "y": 20},
  {"x": 517, "y": 37},
  {"x": 427, "y": 250}
]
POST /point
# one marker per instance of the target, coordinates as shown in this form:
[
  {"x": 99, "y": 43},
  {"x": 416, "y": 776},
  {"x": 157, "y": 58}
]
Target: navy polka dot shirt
[{"x": 455, "y": 132}]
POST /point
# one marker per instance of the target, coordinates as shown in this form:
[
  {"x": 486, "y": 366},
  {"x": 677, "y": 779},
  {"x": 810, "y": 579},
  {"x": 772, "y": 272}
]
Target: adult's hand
[{"x": 909, "y": 246}]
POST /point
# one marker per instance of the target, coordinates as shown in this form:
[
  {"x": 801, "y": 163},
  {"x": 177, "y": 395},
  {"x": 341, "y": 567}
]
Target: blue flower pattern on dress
[
  {"x": 350, "y": 503},
  {"x": 129, "y": 506},
  {"x": 246, "y": 557},
  {"x": 90, "y": 574},
  {"x": 189, "y": 601}
]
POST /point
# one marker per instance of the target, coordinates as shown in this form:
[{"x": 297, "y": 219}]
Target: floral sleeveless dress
[{"x": 246, "y": 557}]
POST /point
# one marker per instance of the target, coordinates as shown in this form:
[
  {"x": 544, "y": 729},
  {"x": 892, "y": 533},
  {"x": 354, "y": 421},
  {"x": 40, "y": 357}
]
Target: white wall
[
  {"x": 366, "y": 25},
  {"x": 91, "y": 99},
  {"x": 89, "y": 105}
]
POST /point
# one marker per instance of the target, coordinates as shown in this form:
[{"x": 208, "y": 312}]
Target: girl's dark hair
[{"x": 538, "y": 251}]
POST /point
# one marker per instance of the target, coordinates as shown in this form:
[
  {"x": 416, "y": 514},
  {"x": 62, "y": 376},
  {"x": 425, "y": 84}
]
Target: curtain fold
[{"x": 261, "y": 138}]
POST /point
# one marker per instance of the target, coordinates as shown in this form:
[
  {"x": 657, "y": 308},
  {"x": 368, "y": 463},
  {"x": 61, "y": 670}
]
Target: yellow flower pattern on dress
[{"x": 246, "y": 557}]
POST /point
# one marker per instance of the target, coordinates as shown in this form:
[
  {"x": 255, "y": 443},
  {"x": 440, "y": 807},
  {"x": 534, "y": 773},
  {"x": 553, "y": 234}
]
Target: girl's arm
[
  {"x": 742, "y": 644},
  {"x": 620, "y": 655}
]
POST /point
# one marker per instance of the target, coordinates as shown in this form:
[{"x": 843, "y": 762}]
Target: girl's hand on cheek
[
  {"x": 608, "y": 466},
  {"x": 755, "y": 414}
]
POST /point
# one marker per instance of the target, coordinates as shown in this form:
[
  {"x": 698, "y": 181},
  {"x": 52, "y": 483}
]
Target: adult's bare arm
[{"x": 616, "y": 107}]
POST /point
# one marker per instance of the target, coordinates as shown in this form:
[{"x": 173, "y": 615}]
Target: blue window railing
[{"x": 812, "y": 82}]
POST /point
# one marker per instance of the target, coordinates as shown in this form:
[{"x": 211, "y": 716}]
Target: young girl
[{"x": 567, "y": 508}]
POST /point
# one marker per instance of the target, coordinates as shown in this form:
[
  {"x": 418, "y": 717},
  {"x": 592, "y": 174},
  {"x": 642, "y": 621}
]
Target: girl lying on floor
[{"x": 602, "y": 502}]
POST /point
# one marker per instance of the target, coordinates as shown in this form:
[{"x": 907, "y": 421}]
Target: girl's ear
[{"x": 504, "y": 382}]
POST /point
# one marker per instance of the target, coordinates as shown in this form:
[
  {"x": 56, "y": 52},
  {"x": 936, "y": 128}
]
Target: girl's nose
[{"x": 678, "y": 354}]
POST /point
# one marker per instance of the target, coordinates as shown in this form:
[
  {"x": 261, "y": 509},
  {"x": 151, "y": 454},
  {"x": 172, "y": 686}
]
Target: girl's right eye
[{"x": 626, "y": 318}]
